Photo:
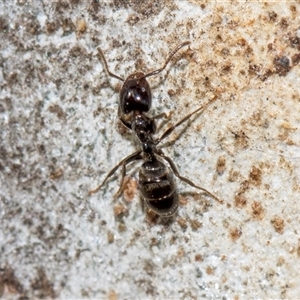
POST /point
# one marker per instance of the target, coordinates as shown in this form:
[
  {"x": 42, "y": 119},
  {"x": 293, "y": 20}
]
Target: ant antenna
[
  {"x": 106, "y": 66},
  {"x": 168, "y": 59}
]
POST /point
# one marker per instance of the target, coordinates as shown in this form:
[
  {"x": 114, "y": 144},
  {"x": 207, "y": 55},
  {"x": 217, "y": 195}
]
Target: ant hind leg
[
  {"x": 134, "y": 156},
  {"x": 186, "y": 180}
]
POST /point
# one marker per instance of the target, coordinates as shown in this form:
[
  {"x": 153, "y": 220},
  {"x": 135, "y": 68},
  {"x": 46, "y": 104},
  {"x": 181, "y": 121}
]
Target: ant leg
[
  {"x": 125, "y": 121},
  {"x": 134, "y": 156},
  {"x": 172, "y": 127},
  {"x": 100, "y": 53},
  {"x": 119, "y": 191},
  {"x": 175, "y": 171},
  {"x": 164, "y": 115}
]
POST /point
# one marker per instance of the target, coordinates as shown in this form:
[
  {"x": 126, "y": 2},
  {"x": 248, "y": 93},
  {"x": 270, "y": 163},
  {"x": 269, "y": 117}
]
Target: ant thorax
[{"x": 144, "y": 128}]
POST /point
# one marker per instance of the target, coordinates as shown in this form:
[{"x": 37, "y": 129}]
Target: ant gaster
[{"x": 156, "y": 182}]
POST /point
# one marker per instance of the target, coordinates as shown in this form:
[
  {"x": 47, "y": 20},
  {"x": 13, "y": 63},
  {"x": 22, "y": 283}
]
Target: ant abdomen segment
[{"x": 157, "y": 188}]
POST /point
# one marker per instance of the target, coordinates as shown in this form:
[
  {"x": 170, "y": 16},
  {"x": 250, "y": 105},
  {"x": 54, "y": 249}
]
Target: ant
[{"x": 156, "y": 182}]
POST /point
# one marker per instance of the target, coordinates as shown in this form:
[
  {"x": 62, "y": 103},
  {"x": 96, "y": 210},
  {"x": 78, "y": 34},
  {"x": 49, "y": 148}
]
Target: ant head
[{"x": 135, "y": 94}]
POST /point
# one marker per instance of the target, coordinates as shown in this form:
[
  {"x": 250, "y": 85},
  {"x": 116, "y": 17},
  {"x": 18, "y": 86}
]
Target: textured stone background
[{"x": 60, "y": 135}]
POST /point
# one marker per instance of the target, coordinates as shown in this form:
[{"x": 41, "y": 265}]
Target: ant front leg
[
  {"x": 126, "y": 121},
  {"x": 166, "y": 116},
  {"x": 134, "y": 156},
  {"x": 186, "y": 180}
]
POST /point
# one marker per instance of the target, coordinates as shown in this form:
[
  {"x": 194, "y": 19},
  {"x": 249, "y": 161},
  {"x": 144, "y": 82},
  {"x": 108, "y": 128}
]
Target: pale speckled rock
[{"x": 60, "y": 136}]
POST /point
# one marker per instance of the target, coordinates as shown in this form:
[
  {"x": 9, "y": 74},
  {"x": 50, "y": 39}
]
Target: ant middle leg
[
  {"x": 119, "y": 191},
  {"x": 172, "y": 127},
  {"x": 186, "y": 180},
  {"x": 134, "y": 156}
]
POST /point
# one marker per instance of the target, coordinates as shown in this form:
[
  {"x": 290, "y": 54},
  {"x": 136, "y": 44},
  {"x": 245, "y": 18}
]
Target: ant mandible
[{"x": 156, "y": 182}]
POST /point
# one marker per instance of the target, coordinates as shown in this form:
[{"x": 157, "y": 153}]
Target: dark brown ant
[{"x": 156, "y": 183}]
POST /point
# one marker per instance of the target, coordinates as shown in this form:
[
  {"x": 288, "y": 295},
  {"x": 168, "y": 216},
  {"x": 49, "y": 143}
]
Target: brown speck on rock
[
  {"x": 198, "y": 257},
  {"x": 272, "y": 16},
  {"x": 120, "y": 210},
  {"x": 182, "y": 222},
  {"x": 225, "y": 52},
  {"x": 129, "y": 188},
  {"x": 183, "y": 201},
  {"x": 221, "y": 165},
  {"x": 293, "y": 8},
  {"x": 227, "y": 68},
  {"x": 171, "y": 92},
  {"x": 255, "y": 176},
  {"x": 257, "y": 210},
  {"x": 143, "y": 8},
  {"x": 154, "y": 242},
  {"x": 56, "y": 173},
  {"x": 149, "y": 267},
  {"x": 284, "y": 24},
  {"x": 240, "y": 201},
  {"x": 233, "y": 175},
  {"x": 180, "y": 253},
  {"x": 4, "y": 25},
  {"x": 67, "y": 26},
  {"x": 258, "y": 119},
  {"x": 77, "y": 51},
  {"x": 133, "y": 19},
  {"x": 42, "y": 285},
  {"x": 210, "y": 270},
  {"x": 241, "y": 140},
  {"x": 56, "y": 109},
  {"x": 235, "y": 234},
  {"x": 112, "y": 295},
  {"x": 266, "y": 75},
  {"x": 295, "y": 42},
  {"x": 81, "y": 27},
  {"x": 195, "y": 224},
  {"x": 241, "y": 42},
  {"x": 280, "y": 261},
  {"x": 278, "y": 224},
  {"x": 282, "y": 65},
  {"x": 122, "y": 227},
  {"x": 151, "y": 217},
  {"x": 270, "y": 46},
  {"x": 51, "y": 27},
  {"x": 298, "y": 249},
  {"x": 110, "y": 237},
  {"x": 9, "y": 282},
  {"x": 254, "y": 69},
  {"x": 258, "y": 70},
  {"x": 32, "y": 26},
  {"x": 296, "y": 59}
]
